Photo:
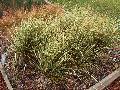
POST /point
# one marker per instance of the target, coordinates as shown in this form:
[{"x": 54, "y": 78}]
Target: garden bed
[
  {"x": 64, "y": 53},
  {"x": 31, "y": 79}
]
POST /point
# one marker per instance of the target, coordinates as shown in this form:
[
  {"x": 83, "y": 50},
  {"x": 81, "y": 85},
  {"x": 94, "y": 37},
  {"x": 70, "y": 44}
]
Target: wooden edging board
[
  {"x": 106, "y": 81},
  {"x": 5, "y": 77}
]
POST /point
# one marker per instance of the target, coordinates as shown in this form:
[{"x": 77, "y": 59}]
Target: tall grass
[
  {"x": 62, "y": 46},
  {"x": 109, "y": 7}
]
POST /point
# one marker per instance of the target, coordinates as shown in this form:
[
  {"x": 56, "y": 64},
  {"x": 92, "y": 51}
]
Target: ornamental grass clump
[{"x": 64, "y": 45}]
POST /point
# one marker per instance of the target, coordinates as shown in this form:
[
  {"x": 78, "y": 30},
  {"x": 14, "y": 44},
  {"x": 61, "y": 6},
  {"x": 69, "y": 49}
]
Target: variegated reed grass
[{"x": 61, "y": 46}]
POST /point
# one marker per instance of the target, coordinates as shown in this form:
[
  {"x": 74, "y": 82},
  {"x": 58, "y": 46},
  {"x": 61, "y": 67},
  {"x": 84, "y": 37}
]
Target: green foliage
[
  {"x": 61, "y": 46},
  {"x": 70, "y": 4},
  {"x": 109, "y": 7}
]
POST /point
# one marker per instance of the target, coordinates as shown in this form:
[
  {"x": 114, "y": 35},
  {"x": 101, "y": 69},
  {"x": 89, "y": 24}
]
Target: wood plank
[{"x": 106, "y": 81}]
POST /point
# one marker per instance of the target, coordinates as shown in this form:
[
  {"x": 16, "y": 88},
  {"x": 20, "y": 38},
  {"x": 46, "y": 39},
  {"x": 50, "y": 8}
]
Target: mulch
[
  {"x": 2, "y": 83},
  {"x": 115, "y": 85}
]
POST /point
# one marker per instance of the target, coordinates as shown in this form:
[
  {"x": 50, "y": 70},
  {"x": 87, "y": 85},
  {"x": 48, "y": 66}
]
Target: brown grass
[
  {"x": 45, "y": 11},
  {"x": 11, "y": 17}
]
